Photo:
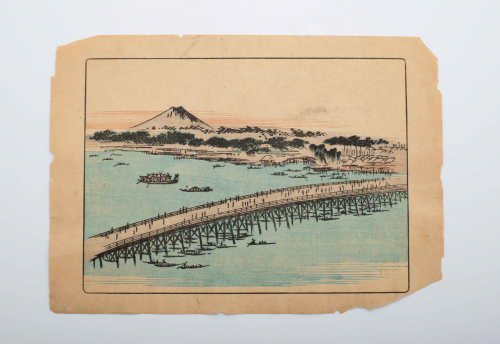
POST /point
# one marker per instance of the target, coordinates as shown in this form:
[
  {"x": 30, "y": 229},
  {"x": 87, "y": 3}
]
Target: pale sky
[{"x": 364, "y": 97}]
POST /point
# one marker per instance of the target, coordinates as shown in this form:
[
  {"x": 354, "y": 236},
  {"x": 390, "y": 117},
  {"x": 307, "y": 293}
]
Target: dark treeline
[
  {"x": 252, "y": 146},
  {"x": 249, "y": 129},
  {"x": 269, "y": 132},
  {"x": 248, "y": 144},
  {"x": 300, "y": 133},
  {"x": 324, "y": 154},
  {"x": 354, "y": 141}
]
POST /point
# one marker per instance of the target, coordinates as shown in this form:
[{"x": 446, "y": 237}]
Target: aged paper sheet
[{"x": 243, "y": 174}]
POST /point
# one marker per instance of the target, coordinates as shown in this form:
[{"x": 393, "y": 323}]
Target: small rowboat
[
  {"x": 197, "y": 189},
  {"x": 164, "y": 264},
  {"x": 192, "y": 252},
  {"x": 302, "y": 176},
  {"x": 186, "y": 266},
  {"x": 254, "y": 243}
]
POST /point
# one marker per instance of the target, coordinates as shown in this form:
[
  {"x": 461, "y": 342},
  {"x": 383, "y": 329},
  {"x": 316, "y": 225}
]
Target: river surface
[{"x": 349, "y": 250}]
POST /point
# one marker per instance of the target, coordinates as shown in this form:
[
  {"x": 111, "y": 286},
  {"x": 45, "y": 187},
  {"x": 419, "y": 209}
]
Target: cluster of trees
[
  {"x": 248, "y": 144},
  {"x": 323, "y": 154},
  {"x": 354, "y": 141},
  {"x": 300, "y": 133},
  {"x": 282, "y": 144},
  {"x": 203, "y": 129},
  {"x": 269, "y": 132},
  {"x": 252, "y": 146},
  {"x": 249, "y": 129},
  {"x": 126, "y": 136}
]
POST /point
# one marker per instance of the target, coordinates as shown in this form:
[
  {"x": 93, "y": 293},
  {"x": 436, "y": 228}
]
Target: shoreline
[{"x": 278, "y": 158}]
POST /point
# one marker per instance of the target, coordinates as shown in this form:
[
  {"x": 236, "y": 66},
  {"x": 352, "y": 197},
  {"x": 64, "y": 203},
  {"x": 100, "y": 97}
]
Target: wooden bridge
[{"x": 237, "y": 217}]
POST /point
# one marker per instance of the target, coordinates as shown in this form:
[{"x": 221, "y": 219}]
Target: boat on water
[
  {"x": 254, "y": 168},
  {"x": 195, "y": 266},
  {"x": 107, "y": 159},
  {"x": 121, "y": 164},
  {"x": 301, "y": 176},
  {"x": 197, "y": 189},
  {"x": 93, "y": 155},
  {"x": 164, "y": 264},
  {"x": 278, "y": 174},
  {"x": 222, "y": 246},
  {"x": 338, "y": 177},
  {"x": 215, "y": 166},
  {"x": 253, "y": 242},
  {"x": 158, "y": 178},
  {"x": 289, "y": 170},
  {"x": 192, "y": 252}
]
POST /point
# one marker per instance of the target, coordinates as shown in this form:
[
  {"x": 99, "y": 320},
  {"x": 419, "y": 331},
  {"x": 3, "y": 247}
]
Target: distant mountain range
[{"x": 174, "y": 117}]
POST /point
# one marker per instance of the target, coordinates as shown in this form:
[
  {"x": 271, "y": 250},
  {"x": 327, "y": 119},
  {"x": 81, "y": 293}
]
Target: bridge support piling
[
  {"x": 251, "y": 223},
  {"x": 199, "y": 237},
  {"x": 165, "y": 245},
  {"x": 149, "y": 251},
  {"x": 258, "y": 223},
  {"x": 232, "y": 235},
  {"x": 286, "y": 218},
  {"x": 182, "y": 241}
]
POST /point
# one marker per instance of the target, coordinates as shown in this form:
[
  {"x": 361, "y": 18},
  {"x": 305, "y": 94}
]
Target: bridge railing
[
  {"x": 202, "y": 206},
  {"x": 230, "y": 213}
]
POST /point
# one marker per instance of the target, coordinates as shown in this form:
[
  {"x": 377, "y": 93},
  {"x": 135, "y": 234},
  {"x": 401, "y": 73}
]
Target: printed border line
[{"x": 248, "y": 58}]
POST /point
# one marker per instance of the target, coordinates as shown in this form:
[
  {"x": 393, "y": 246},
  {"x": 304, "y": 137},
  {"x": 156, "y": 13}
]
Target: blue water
[{"x": 308, "y": 253}]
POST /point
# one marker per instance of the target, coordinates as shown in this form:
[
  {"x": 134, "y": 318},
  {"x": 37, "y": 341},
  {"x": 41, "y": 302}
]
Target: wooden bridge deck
[{"x": 192, "y": 217}]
